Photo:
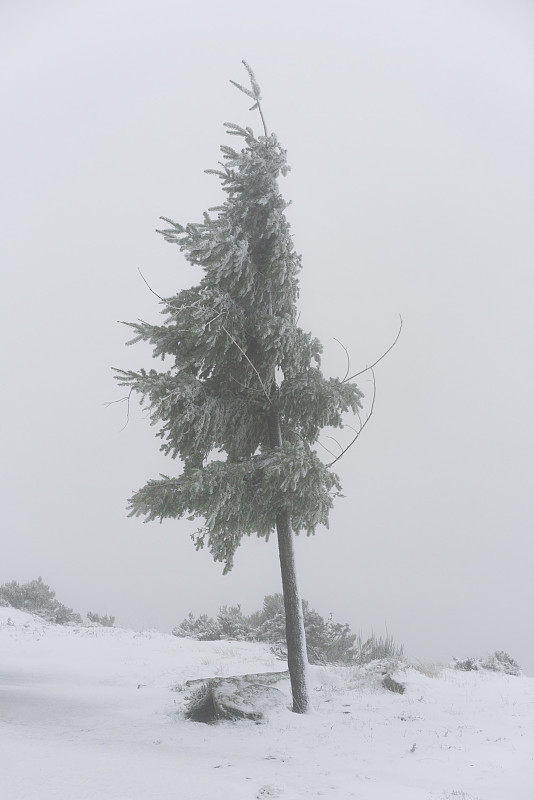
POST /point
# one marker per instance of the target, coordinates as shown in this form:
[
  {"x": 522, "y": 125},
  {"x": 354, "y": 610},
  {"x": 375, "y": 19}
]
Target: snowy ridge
[{"x": 88, "y": 712}]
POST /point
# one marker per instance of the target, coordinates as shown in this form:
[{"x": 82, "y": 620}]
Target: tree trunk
[{"x": 297, "y": 659}]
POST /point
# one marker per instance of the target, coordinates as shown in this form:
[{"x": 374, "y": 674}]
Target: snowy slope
[{"x": 89, "y": 713}]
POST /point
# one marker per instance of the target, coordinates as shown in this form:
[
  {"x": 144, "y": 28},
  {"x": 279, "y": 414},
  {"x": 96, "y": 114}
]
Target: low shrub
[
  {"x": 37, "y": 598},
  {"x": 377, "y": 649},
  {"x": 466, "y": 664},
  {"x": 499, "y": 661},
  {"x": 327, "y": 641},
  {"x": 203, "y": 628},
  {"x": 105, "y": 620},
  {"x": 231, "y": 624}
]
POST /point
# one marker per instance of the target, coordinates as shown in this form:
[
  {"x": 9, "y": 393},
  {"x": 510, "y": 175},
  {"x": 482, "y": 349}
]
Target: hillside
[{"x": 91, "y": 713}]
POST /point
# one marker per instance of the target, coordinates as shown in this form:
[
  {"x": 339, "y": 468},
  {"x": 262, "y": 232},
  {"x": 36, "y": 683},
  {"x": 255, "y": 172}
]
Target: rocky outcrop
[{"x": 236, "y": 698}]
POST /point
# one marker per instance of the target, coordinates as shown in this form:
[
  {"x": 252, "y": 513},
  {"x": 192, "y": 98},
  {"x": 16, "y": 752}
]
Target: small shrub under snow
[
  {"x": 499, "y": 661},
  {"x": 104, "y": 620},
  {"x": 37, "y": 598},
  {"x": 375, "y": 649}
]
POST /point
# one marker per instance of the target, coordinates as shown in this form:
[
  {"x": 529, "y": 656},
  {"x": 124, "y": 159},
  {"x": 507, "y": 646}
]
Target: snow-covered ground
[{"x": 91, "y": 713}]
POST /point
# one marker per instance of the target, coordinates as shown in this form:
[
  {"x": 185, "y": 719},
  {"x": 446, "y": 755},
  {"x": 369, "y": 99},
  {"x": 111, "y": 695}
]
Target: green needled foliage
[{"x": 235, "y": 360}]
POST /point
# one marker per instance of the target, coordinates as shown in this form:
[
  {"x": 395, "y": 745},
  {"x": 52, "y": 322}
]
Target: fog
[{"x": 409, "y": 129}]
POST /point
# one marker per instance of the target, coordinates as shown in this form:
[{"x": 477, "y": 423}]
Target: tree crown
[{"x": 236, "y": 360}]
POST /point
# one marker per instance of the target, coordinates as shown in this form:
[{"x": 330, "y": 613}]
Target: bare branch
[
  {"x": 227, "y": 332},
  {"x": 364, "y": 423},
  {"x": 262, "y": 118},
  {"x": 370, "y": 367},
  {"x": 150, "y": 287},
  {"x": 249, "y": 361},
  {"x": 325, "y": 448},
  {"x": 336, "y": 441},
  {"x": 244, "y": 386},
  {"x": 126, "y": 400},
  {"x": 348, "y": 359}
]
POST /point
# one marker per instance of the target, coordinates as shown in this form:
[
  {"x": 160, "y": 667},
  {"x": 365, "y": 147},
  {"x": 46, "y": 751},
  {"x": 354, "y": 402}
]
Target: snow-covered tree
[{"x": 242, "y": 399}]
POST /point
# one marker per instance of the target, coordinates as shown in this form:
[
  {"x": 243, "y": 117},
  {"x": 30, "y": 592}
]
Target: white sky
[{"x": 409, "y": 127}]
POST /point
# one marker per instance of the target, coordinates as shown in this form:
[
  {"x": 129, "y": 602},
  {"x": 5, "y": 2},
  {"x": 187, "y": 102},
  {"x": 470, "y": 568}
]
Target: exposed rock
[
  {"x": 248, "y": 701},
  {"x": 393, "y": 685},
  {"x": 255, "y": 677},
  {"x": 234, "y": 699}
]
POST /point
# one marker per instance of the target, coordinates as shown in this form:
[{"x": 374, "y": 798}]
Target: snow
[{"x": 97, "y": 713}]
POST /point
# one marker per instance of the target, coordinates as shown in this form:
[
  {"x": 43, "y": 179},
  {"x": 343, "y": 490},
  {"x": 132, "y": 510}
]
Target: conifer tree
[{"x": 242, "y": 399}]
